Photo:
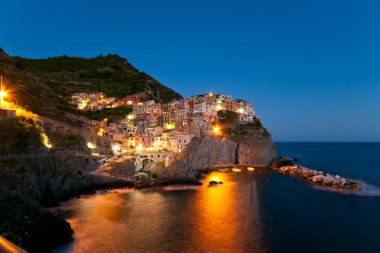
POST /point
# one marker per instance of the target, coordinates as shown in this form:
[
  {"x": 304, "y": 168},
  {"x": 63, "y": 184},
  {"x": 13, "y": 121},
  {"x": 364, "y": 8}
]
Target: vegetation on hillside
[
  {"x": 44, "y": 86},
  {"x": 255, "y": 126},
  {"x": 109, "y": 113},
  {"x": 19, "y": 136},
  {"x": 110, "y": 74},
  {"x": 229, "y": 124}
]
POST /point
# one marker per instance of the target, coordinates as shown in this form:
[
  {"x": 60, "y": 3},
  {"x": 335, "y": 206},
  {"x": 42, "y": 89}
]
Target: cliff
[
  {"x": 28, "y": 182},
  {"x": 242, "y": 144}
]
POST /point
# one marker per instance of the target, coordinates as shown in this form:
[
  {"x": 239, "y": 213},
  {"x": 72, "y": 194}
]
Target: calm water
[{"x": 257, "y": 212}]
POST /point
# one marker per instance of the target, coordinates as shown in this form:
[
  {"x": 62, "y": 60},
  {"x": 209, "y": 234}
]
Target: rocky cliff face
[
  {"x": 29, "y": 181},
  {"x": 208, "y": 151},
  {"x": 255, "y": 145},
  {"x": 246, "y": 144}
]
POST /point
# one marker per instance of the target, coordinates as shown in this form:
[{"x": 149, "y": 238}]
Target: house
[
  {"x": 7, "y": 113},
  {"x": 179, "y": 142},
  {"x": 158, "y": 157}
]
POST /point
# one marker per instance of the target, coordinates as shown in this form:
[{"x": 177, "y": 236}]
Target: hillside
[{"x": 45, "y": 85}]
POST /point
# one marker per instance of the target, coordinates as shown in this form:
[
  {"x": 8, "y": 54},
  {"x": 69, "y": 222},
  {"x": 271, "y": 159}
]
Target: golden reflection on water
[
  {"x": 218, "y": 220},
  {"x": 215, "y": 216},
  {"x": 222, "y": 218}
]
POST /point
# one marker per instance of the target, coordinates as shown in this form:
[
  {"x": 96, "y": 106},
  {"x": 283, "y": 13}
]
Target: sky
[{"x": 311, "y": 68}]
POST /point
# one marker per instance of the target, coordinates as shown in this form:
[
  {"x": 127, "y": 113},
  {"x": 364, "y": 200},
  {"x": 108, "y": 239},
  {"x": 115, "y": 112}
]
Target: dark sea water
[{"x": 251, "y": 212}]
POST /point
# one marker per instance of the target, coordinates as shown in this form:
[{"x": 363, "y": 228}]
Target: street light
[
  {"x": 2, "y": 95},
  {"x": 216, "y": 130}
]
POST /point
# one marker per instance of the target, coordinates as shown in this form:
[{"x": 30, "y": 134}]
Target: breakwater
[{"x": 321, "y": 178}]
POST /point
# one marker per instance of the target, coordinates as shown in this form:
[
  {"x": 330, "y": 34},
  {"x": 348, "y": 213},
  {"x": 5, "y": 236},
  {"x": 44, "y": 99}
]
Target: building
[
  {"x": 7, "y": 113},
  {"x": 145, "y": 159},
  {"x": 169, "y": 127}
]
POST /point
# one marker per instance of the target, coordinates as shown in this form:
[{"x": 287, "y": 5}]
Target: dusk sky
[{"x": 311, "y": 68}]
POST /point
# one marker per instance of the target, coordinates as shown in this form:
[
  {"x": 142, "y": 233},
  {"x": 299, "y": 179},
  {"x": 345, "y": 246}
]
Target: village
[
  {"x": 150, "y": 130},
  {"x": 158, "y": 131}
]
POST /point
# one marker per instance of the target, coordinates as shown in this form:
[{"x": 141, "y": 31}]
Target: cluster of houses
[
  {"x": 156, "y": 129},
  {"x": 95, "y": 101}
]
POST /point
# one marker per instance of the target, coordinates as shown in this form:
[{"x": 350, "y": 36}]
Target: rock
[
  {"x": 281, "y": 161},
  {"x": 319, "y": 177},
  {"x": 329, "y": 180},
  {"x": 296, "y": 160},
  {"x": 178, "y": 170},
  {"x": 248, "y": 144},
  {"x": 31, "y": 227},
  {"x": 213, "y": 183}
]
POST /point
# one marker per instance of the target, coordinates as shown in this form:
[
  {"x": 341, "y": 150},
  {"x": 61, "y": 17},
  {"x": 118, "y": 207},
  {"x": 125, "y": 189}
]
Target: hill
[{"x": 45, "y": 85}]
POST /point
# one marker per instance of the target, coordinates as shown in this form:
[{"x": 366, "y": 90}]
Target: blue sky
[{"x": 311, "y": 68}]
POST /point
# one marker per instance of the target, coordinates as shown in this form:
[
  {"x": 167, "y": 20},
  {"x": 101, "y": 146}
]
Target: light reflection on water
[{"x": 223, "y": 218}]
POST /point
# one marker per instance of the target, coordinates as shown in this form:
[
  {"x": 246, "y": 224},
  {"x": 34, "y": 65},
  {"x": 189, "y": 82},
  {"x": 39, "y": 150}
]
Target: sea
[{"x": 259, "y": 211}]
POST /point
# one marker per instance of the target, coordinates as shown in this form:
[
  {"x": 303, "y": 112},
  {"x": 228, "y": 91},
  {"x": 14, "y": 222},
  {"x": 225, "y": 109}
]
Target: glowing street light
[
  {"x": 139, "y": 148},
  {"x": 130, "y": 116},
  {"x": 251, "y": 169},
  {"x": 2, "y": 92},
  {"x": 216, "y": 130},
  {"x": 91, "y": 145},
  {"x": 116, "y": 148},
  {"x": 100, "y": 132}
]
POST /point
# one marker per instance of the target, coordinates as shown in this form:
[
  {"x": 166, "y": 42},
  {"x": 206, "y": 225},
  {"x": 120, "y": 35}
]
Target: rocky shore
[
  {"x": 320, "y": 178},
  {"x": 29, "y": 185}
]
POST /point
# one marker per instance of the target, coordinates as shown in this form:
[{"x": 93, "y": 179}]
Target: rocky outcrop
[
  {"x": 255, "y": 144},
  {"x": 281, "y": 161},
  {"x": 246, "y": 144},
  {"x": 321, "y": 178},
  {"x": 23, "y": 222},
  {"x": 208, "y": 151},
  {"x": 31, "y": 181},
  {"x": 178, "y": 170},
  {"x": 52, "y": 177}
]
